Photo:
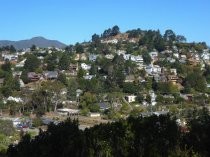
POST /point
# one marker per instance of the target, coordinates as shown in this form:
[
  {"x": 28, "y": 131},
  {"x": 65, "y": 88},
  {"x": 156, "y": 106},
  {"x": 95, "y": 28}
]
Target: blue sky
[{"x": 73, "y": 21}]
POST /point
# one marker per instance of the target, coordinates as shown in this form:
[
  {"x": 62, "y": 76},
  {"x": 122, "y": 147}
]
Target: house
[
  {"x": 17, "y": 74},
  {"x": 10, "y": 57},
  {"x": 20, "y": 64},
  {"x": 176, "y": 55},
  {"x": 137, "y": 59},
  {"x": 85, "y": 66},
  {"x": 126, "y": 56},
  {"x": 160, "y": 78},
  {"x": 171, "y": 60},
  {"x": 1, "y": 81},
  {"x": 109, "y": 56},
  {"x": 77, "y": 57},
  {"x": 154, "y": 55},
  {"x": 104, "y": 106},
  {"x": 130, "y": 98},
  {"x": 88, "y": 77},
  {"x": 121, "y": 52},
  {"x": 73, "y": 68},
  {"x": 193, "y": 61},
  {"x": 153, "y": 97},
  {"x": 183, "y": 59},
  {"x": 94, "y": 115},
  {"x": 173, "y": 78},
  {"x": 166, "y": 52},
  {"x": 188, "y": 97},
  {"x": 51, "y": 75},
  {"x": 173, "y": 71},
  {"x": 32, "y": 76},
  {"x": 67, "y": 112},
  {"x": 205, "y": 55},
  {"x": 146, "y": 114},
  {"x": 158, "y": 113},
  {"x": 129, "y": 78},
  {"x": 16, "y": 99},
  {"x": 153, "y": 69},
  {"x": 92, "y": 57},
  {"x": 111, "y": 41},
  {"x": 78, "y": 92},
  {"x": 16, "y": 122},
  {"x": 83, "y": 57}
]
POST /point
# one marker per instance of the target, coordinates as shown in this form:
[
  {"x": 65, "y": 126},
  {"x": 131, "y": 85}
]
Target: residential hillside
[
  {"x": 38, "y": 41},
  {"x": 115, "y": 75}
]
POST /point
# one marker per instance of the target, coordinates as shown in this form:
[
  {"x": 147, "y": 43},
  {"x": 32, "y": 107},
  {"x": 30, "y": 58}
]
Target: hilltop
[{"x": 38, "y": 41}]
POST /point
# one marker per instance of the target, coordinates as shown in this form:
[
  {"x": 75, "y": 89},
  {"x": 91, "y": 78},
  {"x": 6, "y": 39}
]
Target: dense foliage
[{"x": 143, "y": 137}]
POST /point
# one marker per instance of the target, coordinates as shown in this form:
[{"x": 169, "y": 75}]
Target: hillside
[{"x": 38, "y": 41}]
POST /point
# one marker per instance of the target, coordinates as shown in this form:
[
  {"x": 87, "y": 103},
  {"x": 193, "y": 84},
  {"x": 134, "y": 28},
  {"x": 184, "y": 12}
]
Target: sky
[{"x": 71, "y": 21}]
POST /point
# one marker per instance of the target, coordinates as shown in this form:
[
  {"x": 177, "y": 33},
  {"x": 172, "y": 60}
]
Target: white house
[
  {"x": 130, "y": 98},
  {"x": 173, "y": 71},
  {"x": 16, "y": 99},
  {"x": 10, "y": 57},
  {"x": 126, "y": 56},
  {"x": 153, "y": 55},
  {"x": 20, "y": 64},
  {"x": 153, "y": 69},
  {"x": 16, "y": 121},
  {"x": 85, "y": 66},
  {"x": 67, "y": 111},
  {"x": 121, "y": 52},
  {"x": 137, "y": 59},
  {"x": 93, "y": 115},
  {"x": 176, "y": 55},
  {"x": 112, "y": 41},
  {"x": 153, "y": 97},
  {"x": 205, "y": 55},
  {"x": 88, "y": 77},
  {"x": 109, "y": 56}
]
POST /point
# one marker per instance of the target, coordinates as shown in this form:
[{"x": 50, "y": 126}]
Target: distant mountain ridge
[{"x": 38, "y": 41}]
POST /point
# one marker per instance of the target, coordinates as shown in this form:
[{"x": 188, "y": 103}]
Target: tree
[
  {"x": 169, "y": 35},
  {"x": 31, "y": 63},
  {"x": 196, "y": 81},
  {"x": 88, "y": 100},
  {"x": 6, "y": 127},
  {"x": 167, "y": 87},
  {"x": 146, "y": 57},
  {"x": 130, "y": 88},
  {"x": 181, "y": 39},
  {"x": 115, "y": 30},
  {"x": 80, "y": 73},
  {"x": 96, "y": 39},
  {"x": 79, "y": 48},
  {"x": 54, "y": 88},
  {"x": 10, "y": 84},
  {"x": 24, "y": 76},
  {"x": 33, "y": 47},
  {"x": 6, "y": 66},
  {"x": 62, "y": 78},
  {"x": 12, "y": 49},
  {"x": 71, "y": 89},
  {"x": 69, "y": 48},
  {"x": 64, "y": 62},
  {"x": 51, "y": 60},
  {"x": 107, "y": 33}
]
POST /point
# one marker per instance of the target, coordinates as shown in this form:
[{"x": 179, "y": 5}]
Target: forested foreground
[{"x": 137, "y": 136}]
